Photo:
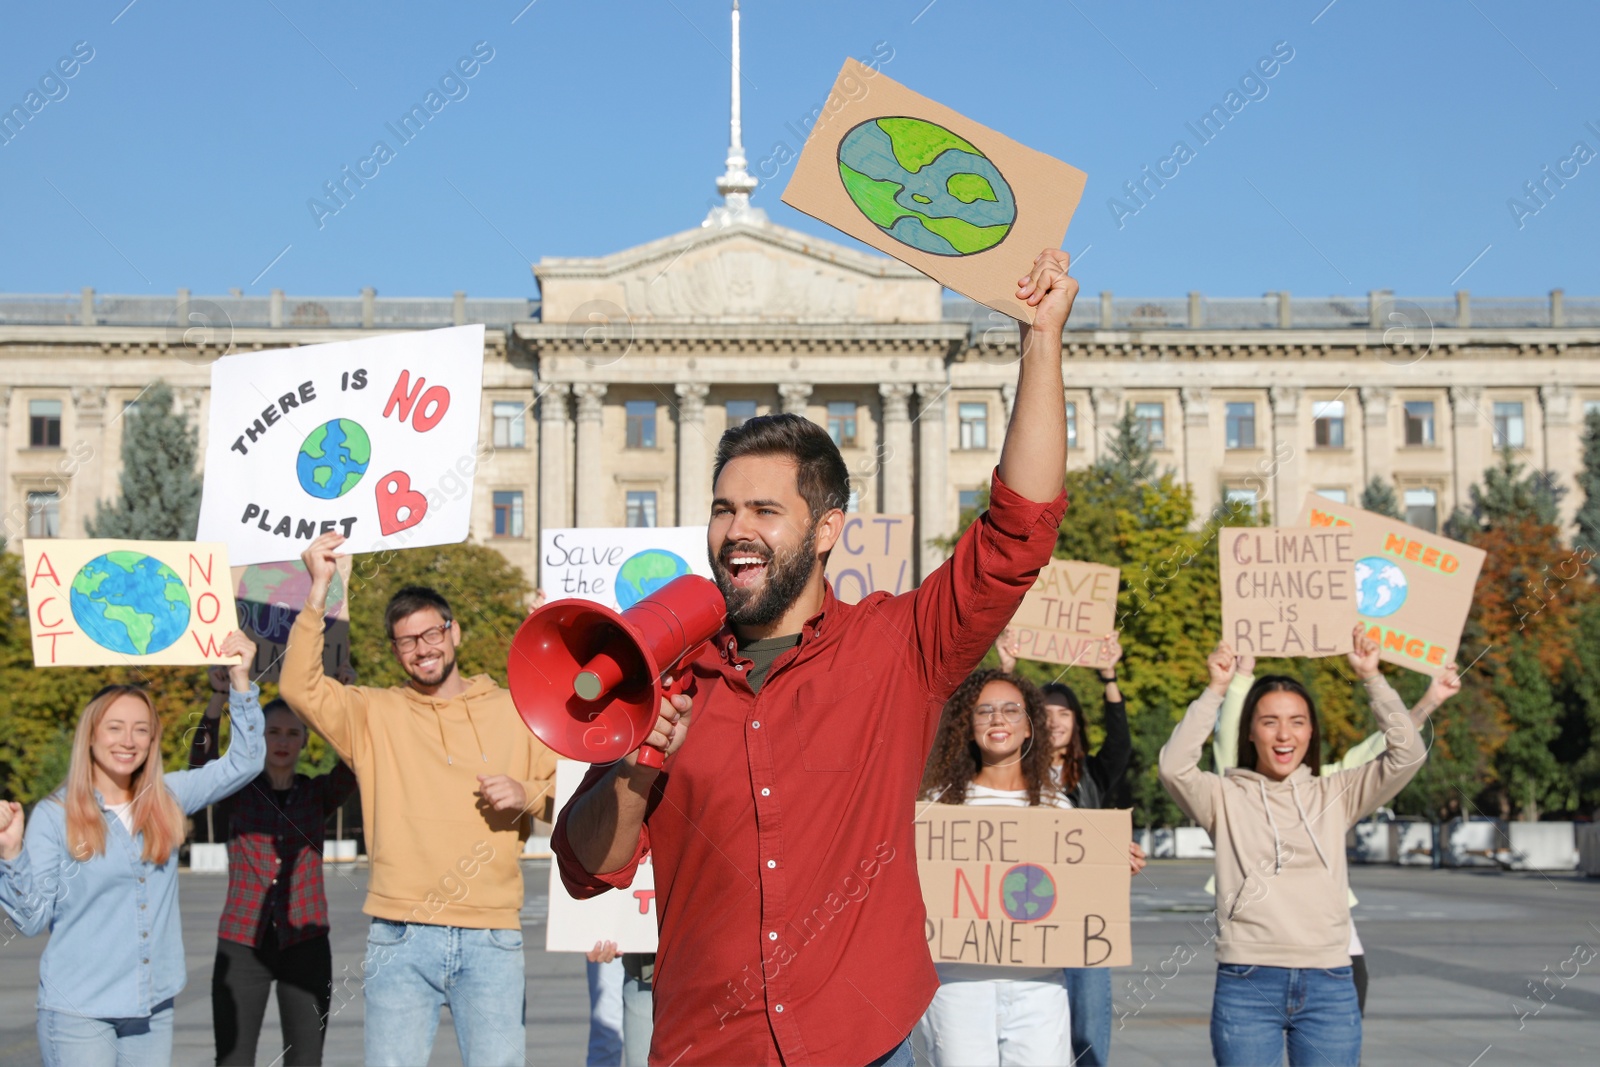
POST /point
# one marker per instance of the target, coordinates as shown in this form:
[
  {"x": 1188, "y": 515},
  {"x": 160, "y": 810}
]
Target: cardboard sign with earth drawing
[
  {"x": 963, "y": 204},
  {"x": 873, "y": 554},
  {"x": 1026, "y": 887},
  {"x": 1067, "y": 614},
  {"x": 618, "y": 566},
  {"x": 115, "y": 603},
  {"x": 1413, "y": 588},
  {"x": 1287, "y": 591},
  {"x": 376, "y": 439},
  {"x": 626, "y": 916},
  {"x": 270, "y": 596}
]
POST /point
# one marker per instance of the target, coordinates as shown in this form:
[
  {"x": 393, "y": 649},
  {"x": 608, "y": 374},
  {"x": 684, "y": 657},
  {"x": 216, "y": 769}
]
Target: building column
[
  {"x": 1467, "y": 442},
  {"x": 1562, "y": 444},
  {"x": 8, "y": 528},
  {"x": 1200, "y": 460},
  {"x": 795, "y": 397},
  {"x": 933, "y": 454},
  {"x": 1008, "y": 396},
  {"x": 1377, "y": 437},
  {"x": 1107, "y": 401},
  {"x": 89, "y": 427},
  {"x": 894, "y": 494},
  {"x": 1287, "y": 462},
  {"x": 555, "y": 503},
  {"x": 591, "y": 491},
  {"x": 694, "y": 467}
]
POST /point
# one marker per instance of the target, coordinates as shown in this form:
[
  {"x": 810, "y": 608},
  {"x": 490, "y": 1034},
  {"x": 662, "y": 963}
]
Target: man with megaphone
[{"x": 780, "y": 828}]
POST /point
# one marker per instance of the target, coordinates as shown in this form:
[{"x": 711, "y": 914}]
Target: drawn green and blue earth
[
  {"x": 926, "y": 187},
  {"x": 270, "y": 594},
  {"x": 130, "y": 603},
  {"x": 333, "y": 459},
  {"x": 1027, "y": 892},
  {"x": 1380, "y": 587},
  {"x": 644, "y": 572}
]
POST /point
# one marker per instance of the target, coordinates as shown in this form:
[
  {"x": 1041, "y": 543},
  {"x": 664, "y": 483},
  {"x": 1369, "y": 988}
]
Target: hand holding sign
[
  {"x": 1363, "y": 654},
  {"x": 1220, "y": 666},
  {"x": 239, "y": 644},
  {"x": 1050, "y": 291}
]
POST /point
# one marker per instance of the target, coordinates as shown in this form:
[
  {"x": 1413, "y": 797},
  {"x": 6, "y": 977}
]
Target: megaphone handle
[{"x": 651, "y": 756}]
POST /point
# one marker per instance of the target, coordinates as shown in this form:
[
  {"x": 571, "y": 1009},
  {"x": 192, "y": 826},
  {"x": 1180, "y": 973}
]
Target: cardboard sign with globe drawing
[
  {"x": 376, "y": 439},
  {"x": 618, "y": 566},
  {"x": 1026, "y": 887},
  {"x": 873, "y": 555},
  {"x": 965, "y": 205},
  {"x": 1413, "y": 588},
  {"x": 270, "y": 596},
  {"x": 113, "y": 603}
]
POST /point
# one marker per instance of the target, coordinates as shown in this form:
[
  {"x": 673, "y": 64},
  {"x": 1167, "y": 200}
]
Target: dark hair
[
  {"x": 1072, "y": 759},
  {"x": 820, "y": 476},
  {"x": 410, "y": 600},
  {"x": 955, "y": 759},
  {"x": 1277, "y": 683}
]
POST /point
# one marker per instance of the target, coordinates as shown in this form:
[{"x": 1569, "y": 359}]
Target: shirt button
[
  {"x": 756, "y": 725},
  {"x": 145, "y": 960},
  {"x": 738, "y": 666},
  {"x": 778, "y": 1008},
  {"x": 146, "y": 933},
  {"x": 772, "y": 863},
  {"x": 772, "y": 936},
  {"x": 766, "y": 792}
]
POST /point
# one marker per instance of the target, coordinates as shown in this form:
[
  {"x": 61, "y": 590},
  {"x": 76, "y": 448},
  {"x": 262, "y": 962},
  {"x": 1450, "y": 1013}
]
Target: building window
[
  {"x": 1072, "y": 425},
  {"x": 510, "y": 425},
  {"x": 44, "y": 514},
  {"x": 1338, "y": 496},
  {"x": 44, "y": 424},
  {"x": 969, "y": 505},
  {"x": 641, "y": 507},
  {"x": 842, "y": 422},
  {"x": 1241, "y": 500},
  {"x": 1242, "y": 425},
  {"x": 508, "y": 513},
  {"x": 974, "y": 424},
  {"x": 641, "y": 424},
  {"x": 1328, "y": 417},
  {"x": 1509, "y": 431},
  {"x": 1419, "y": 422},
  {"x": 1151, "y": 420},
  {"x": 1590, "y": 407},
  {"x": 740, "y": 412},
  {"x": 1422, "y": 509}
]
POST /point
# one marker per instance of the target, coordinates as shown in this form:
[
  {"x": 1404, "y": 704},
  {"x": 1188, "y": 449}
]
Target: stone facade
[{"x": 637, "y": 361}]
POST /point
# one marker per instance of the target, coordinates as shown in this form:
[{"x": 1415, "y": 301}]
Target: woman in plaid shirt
[{"x": 275, "y": 922}]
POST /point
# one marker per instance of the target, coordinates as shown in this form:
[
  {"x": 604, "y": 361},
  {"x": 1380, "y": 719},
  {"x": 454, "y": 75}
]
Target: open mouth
[
  {"x": 745, "y": 568},
  {"x": 428, "y": 664},
  {"x": 998, "y": 737},
  {"x": 1283, "y": 754}
]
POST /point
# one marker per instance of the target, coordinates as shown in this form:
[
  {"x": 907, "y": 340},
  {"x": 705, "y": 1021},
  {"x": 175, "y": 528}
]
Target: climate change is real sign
[{"x": 375, "y": 439}]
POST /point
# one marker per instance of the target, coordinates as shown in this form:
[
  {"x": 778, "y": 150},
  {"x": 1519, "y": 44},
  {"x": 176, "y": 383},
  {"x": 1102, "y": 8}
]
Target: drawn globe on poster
[
  {"x": 129, "y": 602},
  {"x": 1380, "y": 587},
  {"x": 926, "y": 187},
  {"x": 644, "y": 572},
  {"x": 1027, "y": 892},
  {"x": 333, "y": 458}
]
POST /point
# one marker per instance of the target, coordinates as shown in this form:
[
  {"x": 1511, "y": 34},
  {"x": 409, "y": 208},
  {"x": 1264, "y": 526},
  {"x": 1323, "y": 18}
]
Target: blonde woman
[{"x": 98, "y": 868}]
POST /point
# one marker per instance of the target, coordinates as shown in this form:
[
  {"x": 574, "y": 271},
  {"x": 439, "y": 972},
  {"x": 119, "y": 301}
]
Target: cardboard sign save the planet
[
  {"x": 1413, "y": 588},
  {"x": 626, "y": 916},
  {"x": 1026, "y": 887},
  {"x": 1067, "y": 614},
  {"x": 114, "y": 603},
  {"x": 375, "y": 439},
  {"x": 1288, "y": 591},
  {"x": 873, "y": 555},
  {"x": 270, "y": 596},
  {"x": 618, "y": 565},
  {"x": 966, "y": 206}
]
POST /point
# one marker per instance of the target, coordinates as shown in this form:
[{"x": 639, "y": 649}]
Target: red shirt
[{"x": 790, "y": 913}]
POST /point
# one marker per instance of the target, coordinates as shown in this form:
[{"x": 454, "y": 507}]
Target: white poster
[
  {"x": 375, "y": 439},
  {"x": 618, "y": 566},
  {"x": 626, "y": 916}
]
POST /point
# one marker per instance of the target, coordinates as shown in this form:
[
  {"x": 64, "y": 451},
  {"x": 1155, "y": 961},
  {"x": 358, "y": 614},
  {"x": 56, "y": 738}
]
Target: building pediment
[{"x": 737, "y": 273}]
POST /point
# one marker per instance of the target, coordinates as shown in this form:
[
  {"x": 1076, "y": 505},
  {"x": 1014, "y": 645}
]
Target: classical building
[{"x": 604, "y": 398}]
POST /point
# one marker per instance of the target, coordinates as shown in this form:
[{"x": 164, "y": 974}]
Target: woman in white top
[{"x": 993, "y": 750}]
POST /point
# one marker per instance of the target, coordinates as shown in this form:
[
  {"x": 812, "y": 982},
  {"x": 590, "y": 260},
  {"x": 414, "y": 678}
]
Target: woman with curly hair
[{"x": 993, "y": 750}]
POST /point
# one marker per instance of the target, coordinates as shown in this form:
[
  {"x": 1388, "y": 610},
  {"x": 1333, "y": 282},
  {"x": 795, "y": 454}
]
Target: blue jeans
[
  {"x": 638, "y": 1020},
  {"x": 1089, "y": 994},
  {"x": 1256, "y": 1008},
  {"x": 899, "y": 1056},
  {"x": 75, "y": 1041},
  {"x": 413, "y": 968},
  {"x": 605, "y": 1014}
]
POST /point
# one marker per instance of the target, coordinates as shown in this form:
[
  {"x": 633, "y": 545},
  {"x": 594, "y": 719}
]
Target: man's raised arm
[{"x": 1033, "y": 460}]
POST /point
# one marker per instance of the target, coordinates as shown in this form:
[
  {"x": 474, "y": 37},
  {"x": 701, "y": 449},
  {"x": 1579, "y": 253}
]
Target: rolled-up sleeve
[{"x": 580, "y": 882}]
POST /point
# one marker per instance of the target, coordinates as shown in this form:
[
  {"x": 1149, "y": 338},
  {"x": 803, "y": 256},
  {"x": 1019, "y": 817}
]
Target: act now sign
[{"x": 1413, "y": 588}]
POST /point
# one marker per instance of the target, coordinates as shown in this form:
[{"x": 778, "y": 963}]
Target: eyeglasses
[
  {"x": 433, "y": 636},
  {"x": 1010, "y": 712}
]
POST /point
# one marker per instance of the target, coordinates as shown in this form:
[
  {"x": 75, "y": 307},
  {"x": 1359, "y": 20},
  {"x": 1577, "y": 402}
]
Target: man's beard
[
  {"x": 447, "y": 664},
  {"x": 786, "y": 577}
]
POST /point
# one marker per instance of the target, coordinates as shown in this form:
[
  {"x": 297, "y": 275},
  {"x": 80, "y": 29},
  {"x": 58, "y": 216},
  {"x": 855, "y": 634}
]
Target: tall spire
[{"x": 736, "y": 184}]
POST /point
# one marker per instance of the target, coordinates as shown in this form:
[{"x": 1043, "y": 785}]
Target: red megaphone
[{"x": 587, "y": 680}]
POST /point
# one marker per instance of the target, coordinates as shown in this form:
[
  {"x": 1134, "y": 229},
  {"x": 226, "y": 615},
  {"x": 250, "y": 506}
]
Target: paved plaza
[{"x": 1451, "y": 954}]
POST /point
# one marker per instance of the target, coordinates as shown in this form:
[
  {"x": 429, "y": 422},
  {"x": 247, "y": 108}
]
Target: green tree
[
  {"x": 1588, "y": 517},
  {"x": 160, "y": 487},
  {"x": 1380, "y": 499}
]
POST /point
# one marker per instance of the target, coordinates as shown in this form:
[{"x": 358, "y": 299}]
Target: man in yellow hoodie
[{"x": 447, "y": 772}]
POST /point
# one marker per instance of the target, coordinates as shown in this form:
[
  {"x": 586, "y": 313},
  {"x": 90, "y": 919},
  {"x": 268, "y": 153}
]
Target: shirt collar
[{"x": 727, "y": 642}]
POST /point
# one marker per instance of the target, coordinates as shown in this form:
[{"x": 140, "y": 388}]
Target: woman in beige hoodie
[{"x": 1283, "y": 914}]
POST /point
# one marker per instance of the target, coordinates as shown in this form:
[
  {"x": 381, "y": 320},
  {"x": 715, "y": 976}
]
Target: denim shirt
[{"x": 116, "y": 939}]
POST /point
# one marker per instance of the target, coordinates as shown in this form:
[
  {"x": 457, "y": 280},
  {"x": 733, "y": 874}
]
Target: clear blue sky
[{"x": 1383, "y": 154}]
